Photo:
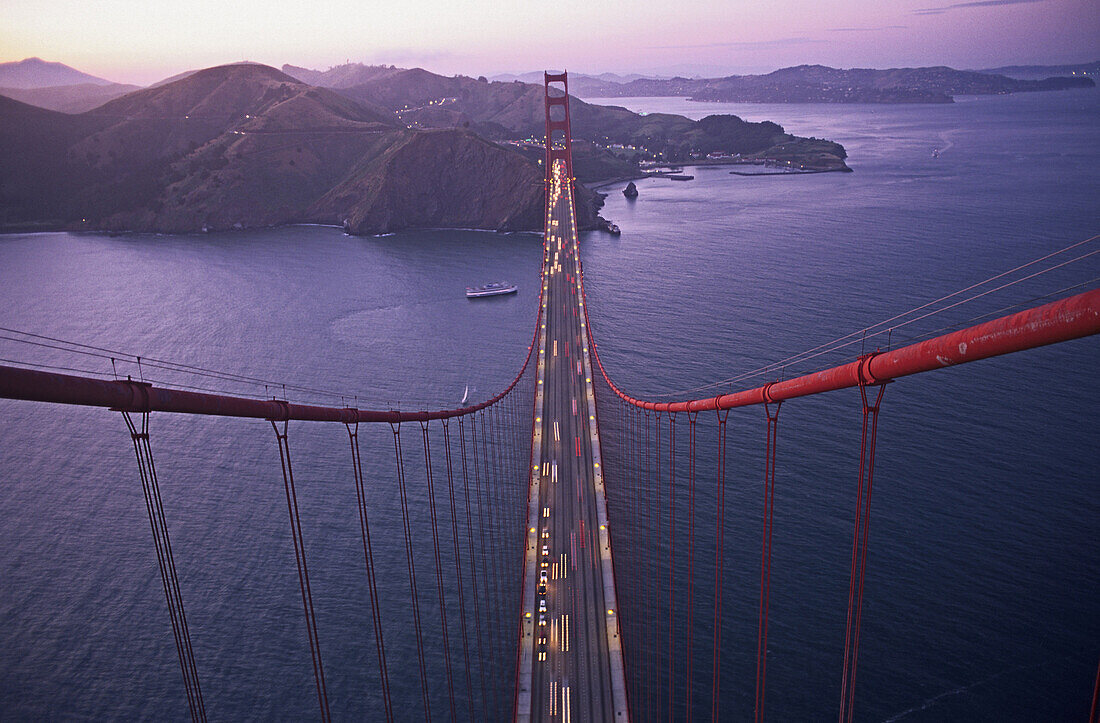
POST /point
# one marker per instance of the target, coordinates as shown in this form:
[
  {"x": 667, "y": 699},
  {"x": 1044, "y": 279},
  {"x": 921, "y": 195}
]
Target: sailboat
[{"x": 465, "y": 394}]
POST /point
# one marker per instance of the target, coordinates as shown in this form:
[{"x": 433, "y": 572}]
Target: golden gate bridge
[{"x": 527, "y": 465}]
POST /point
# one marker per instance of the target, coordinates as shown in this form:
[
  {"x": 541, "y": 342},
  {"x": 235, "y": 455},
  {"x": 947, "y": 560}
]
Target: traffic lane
[{"x": 589, "y": 579}]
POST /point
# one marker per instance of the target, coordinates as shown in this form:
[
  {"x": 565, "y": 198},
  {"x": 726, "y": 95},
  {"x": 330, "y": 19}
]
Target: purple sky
[{"x": 141, "y": 41}]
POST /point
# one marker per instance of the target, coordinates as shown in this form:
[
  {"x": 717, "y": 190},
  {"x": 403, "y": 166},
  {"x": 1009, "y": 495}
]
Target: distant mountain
[
  {"x": 247, "y": 145},
  {"x": 37, "y": 73},
  {"x": 1046, "y": 71},
  {"x": 534, "y": 76},
  {"x": 514, "y": 111},
  {"x": 580, "y": 84},
  {"x": 822, "y": 84},
  {"x": 69, "y": 98}
]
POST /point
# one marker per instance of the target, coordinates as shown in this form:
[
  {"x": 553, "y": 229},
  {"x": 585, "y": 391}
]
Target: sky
[{"x": 142, "y": 41}]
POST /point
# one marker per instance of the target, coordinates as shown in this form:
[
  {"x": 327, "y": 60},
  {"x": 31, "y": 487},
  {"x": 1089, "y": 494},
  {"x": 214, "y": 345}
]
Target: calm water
[{"x": 984, "y": 568}]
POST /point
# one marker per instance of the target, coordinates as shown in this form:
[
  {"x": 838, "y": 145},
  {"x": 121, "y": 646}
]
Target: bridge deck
[{"x": 571, "y": 665}]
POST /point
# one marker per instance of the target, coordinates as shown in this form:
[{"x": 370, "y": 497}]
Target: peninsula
[
  {"x": 374, "y": 149},
  {"x": 822, "y": 84}
]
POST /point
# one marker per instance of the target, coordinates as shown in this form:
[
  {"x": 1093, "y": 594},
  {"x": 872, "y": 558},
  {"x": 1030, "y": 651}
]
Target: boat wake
[{"x": 935, "y": 700}]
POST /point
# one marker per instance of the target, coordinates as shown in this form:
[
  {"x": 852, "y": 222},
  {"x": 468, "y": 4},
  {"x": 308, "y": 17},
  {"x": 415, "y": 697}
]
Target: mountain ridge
[
  {"x": 247, "y": 145},
  {"x": 37, "y": 73},
  {"x": 824, "y": 84}
]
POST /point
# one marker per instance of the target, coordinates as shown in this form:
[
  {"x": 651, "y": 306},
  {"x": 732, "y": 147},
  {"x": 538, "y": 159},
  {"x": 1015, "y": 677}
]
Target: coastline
[{"x": 806, "y": 172}]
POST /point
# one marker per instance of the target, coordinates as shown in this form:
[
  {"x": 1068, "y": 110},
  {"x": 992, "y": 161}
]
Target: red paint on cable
[
  {"x": 716, "y": 678},
  {"x": 438, "y": 568},
  {"x": 368, "y": 556},
  {"x": 411, "y": 569}
]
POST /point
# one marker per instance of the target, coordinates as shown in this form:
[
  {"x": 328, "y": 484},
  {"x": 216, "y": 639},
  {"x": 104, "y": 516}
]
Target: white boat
[
  {"x": 465, "y": 394},
  {"x": 494, "y": 289}
]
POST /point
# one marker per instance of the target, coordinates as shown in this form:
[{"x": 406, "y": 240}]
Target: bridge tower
[{"x": 558, "y": 147}]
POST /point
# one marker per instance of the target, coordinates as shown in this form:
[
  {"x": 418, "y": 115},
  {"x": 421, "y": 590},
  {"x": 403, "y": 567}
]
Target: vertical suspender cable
[
  {"x": 154, "y": 507},
  {"x": 492, "y": 504},
  {"x": 719, "y": 561},
  {"x": 868, "y": 435},
  {"x": 458, "y": 569},
  {"x": 691, "y": 555},
  {"x": 438, "y": 568},
  {"x": 368, "y": 557},
  {"x": 671, "y": 564},
  {"x": 473, "y": 567},
  {"x": 636, "y": 562},
  {"x": 648, "y": 581},
  {"x": 659, "y": 686},
  {"x": 303, "y": 569},
  {"x": 396, "y": 428},
  {"x": 497, "y": 510},
  {"x": 766, "y": 559},
  {"x": 1093, "y": 710},
  {"x": 485, "y": 573}
]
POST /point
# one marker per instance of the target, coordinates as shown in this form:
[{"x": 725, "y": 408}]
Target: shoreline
[{"x": 808, "y": 172}]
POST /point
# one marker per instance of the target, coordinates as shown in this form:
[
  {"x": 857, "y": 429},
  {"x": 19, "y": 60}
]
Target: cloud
[
  {"x": 778, "y": 43},
  {"x": 972, "y": 4},
  {"x": 868, "y": 30}
]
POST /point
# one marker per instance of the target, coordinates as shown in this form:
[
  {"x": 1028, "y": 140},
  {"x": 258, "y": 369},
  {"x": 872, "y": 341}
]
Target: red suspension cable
[
  {"x": 303, "y": 570},
  {"x": 649, "y": 602},
  {"x": 691, "y": 554},
  {"x": 411, "y": 567},
  {"x": 491, "y": 644},
  {"x": 766, "y": 560},
  {"x": 657, "y": 556},
  {"x": 473, "y": 566},
  {"x": 368, "y": 557},
  {"x": 438, "y": 568},
  {"x": 154, "y": 507},
  {"x": 458, "y": 568},
  {"x": 719, "y": 561},
  {"x": 868, "y": 436},
  {"x": 671, "y": 564}
]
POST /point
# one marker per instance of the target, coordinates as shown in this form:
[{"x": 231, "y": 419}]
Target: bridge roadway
[{"x": 571, "y": 665}]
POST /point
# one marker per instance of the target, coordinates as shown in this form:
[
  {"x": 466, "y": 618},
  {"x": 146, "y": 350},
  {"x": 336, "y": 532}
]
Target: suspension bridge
[{"x": 521, "y": 478}]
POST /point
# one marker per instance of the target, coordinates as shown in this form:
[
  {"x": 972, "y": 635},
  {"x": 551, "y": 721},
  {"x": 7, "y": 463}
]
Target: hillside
[
  {"x": 1046, "y": 71},
  {"x": 514, "y": 110},
  {"x": 37, "y": 73},
  {"x": 69, "y": 98},
  {"x": 247, "y": 145},
  {"x": 821, "y": 84}
]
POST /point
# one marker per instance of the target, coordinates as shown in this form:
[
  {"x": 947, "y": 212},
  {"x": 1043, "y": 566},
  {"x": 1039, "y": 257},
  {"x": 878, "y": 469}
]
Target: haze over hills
[
  {"x": 246, "y": 145},
  {"x": 822, "y": 84},
  {"x": 38, "y": 73},
  {"x": 535, "y": 76},
  {"x": 69, "y": 98},
  {"x": 1046, "y": 71},
  {"x": 514, "y": 110}
]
